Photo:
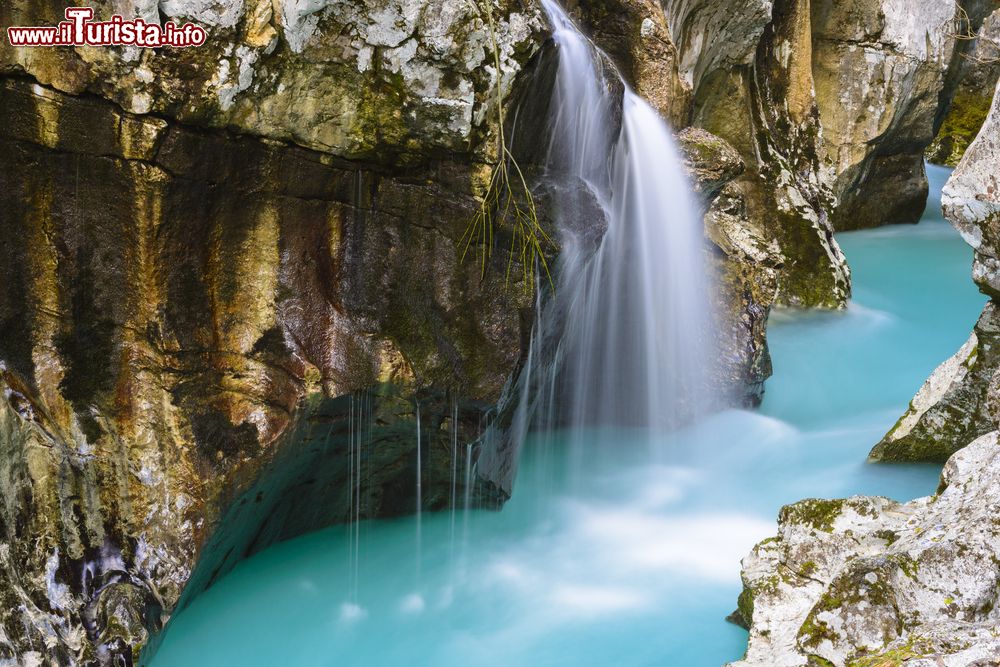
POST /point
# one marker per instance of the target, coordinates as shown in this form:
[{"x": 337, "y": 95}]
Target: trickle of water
[
  {"x": 453, "y": 495},
  {"x": 352, "y": 428},
  {"x": 420, "y": 493},
  {"x": 467, "y": 500},
  {"x": 358, "y": 433}
]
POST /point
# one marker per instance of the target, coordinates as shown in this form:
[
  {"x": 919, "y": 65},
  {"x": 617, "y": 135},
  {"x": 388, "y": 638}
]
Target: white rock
[
  {"x": 971, "y": 199},
  {"x": 859, "y": 577}
]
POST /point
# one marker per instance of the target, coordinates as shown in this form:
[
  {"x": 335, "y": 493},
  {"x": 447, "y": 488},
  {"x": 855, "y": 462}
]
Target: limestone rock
[
  {"x": 956, "y": 404},
  {"x": 711, "y": 161},
  {"x": 219, "y": 258},
  {"x": 831, "y": 105},
  {"x": 636, "y": 36},
  {"x": 884, "y": 74},
  {"x": 980, "y": 69},
  {"x": 867, "y": 581},
  {"x": 738, "y": 64},
  {"x": 746, "y": 264},
  {"x": 971, "y": 202},
  {"x": 182, "y": 312},
  {"x": 750, "y": 68},
  {"x": 714, "y": 37},
  {"x": 389, "y": 81},
  {"x": 960, "y": 400}
]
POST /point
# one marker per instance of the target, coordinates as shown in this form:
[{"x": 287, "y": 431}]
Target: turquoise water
[{"x": 634, "y": 559}]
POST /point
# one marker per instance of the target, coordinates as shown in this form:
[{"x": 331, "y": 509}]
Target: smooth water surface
[{"x": 634, "y": 561}]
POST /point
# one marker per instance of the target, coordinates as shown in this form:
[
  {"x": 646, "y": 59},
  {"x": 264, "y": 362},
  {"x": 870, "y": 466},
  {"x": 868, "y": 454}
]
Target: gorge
[
  {"x": 631, "y": 555},
  {"x": 239, "y": 305}
]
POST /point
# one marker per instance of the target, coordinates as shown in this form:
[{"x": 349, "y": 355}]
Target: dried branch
[{"x": 962, "y": 31}]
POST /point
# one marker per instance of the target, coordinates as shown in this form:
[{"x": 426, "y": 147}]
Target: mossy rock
[
  {"x": 960, "y": 127},
  {"x": 815, "y": 512}
]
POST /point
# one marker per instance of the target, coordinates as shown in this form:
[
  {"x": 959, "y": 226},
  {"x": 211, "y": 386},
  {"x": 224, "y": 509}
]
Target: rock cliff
[
  {"x": 867, "y": 581},
  {"x": 959, "y": 401},
  {"x": 885, "y": 73},
  {"x": 233, "y": 281},
  {"x": 980, "y": 69},
  {"x": 232, "y": 278},
  {"x": 750, "y": 71}
]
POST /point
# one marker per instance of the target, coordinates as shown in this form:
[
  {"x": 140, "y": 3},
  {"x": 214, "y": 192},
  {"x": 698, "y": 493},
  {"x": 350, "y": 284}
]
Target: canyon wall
[
  {"x": 227, "y": 268},
  {"x": 235, "y": 274},
  {"x": 868, "y": 581},
  {"x": 959, "y": 401}
]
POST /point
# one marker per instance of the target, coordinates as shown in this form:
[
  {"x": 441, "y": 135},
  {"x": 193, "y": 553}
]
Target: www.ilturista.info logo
[{"x": 79, "y": 29}]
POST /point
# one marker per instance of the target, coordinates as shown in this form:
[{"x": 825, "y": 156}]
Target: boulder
[{"x": 867, "y": 581}]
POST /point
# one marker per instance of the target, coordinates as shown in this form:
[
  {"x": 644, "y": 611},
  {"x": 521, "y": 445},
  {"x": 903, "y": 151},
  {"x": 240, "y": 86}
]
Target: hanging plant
[{"x": 507, "y": 201}]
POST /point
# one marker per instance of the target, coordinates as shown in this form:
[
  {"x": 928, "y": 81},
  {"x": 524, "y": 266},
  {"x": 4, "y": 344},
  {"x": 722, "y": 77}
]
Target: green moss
[
  {"x": 814, "y": 631},
  {"x": 849, "y": 590},
  {"x": 888, "y": 535},
  {"x": 926, "y": 443},
  {"x": 217, "y": 437},
  {"x": 915, "y": 647},
  {"x": 906, "y": 563},
  {"x": 820, "y": 514},
  {"x": 744, "y": 605},
  {"x": 817, "y": 661},
  {"x": 960, "y": 127}
]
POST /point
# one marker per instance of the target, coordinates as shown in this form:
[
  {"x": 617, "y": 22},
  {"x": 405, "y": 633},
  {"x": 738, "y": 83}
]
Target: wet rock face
[
  {"x": 868, "y": 581},
  {"x": 383, "y": 80},
  {"x": 743, "y": 73},
  {"x": 960, "y": 400},
  {"x": 194, "y": 290},
  {"x": 750, "y": 72},
  {"x": 978, "y": 74},
  {"x": 636, "y": 36},
  {"x": 170, "y": 297},
  {"x": 205, "y": 295},
  {"x": 746, "y": 265},
  {"x": 880, "y": 69},
  {"x": 348, "y": 459}
]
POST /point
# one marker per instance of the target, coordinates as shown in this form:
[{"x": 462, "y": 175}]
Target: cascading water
[
  {"x": 638, "y": 562},
  {"x": 625, "y": 341}
]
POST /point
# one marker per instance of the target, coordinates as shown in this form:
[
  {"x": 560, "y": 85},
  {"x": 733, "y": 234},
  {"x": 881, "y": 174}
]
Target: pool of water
[{"x": 633, "y": 559}]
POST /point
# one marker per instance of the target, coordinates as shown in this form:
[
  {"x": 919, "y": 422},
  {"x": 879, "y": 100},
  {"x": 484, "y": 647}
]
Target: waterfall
[{"x": 626, "y": 339}]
